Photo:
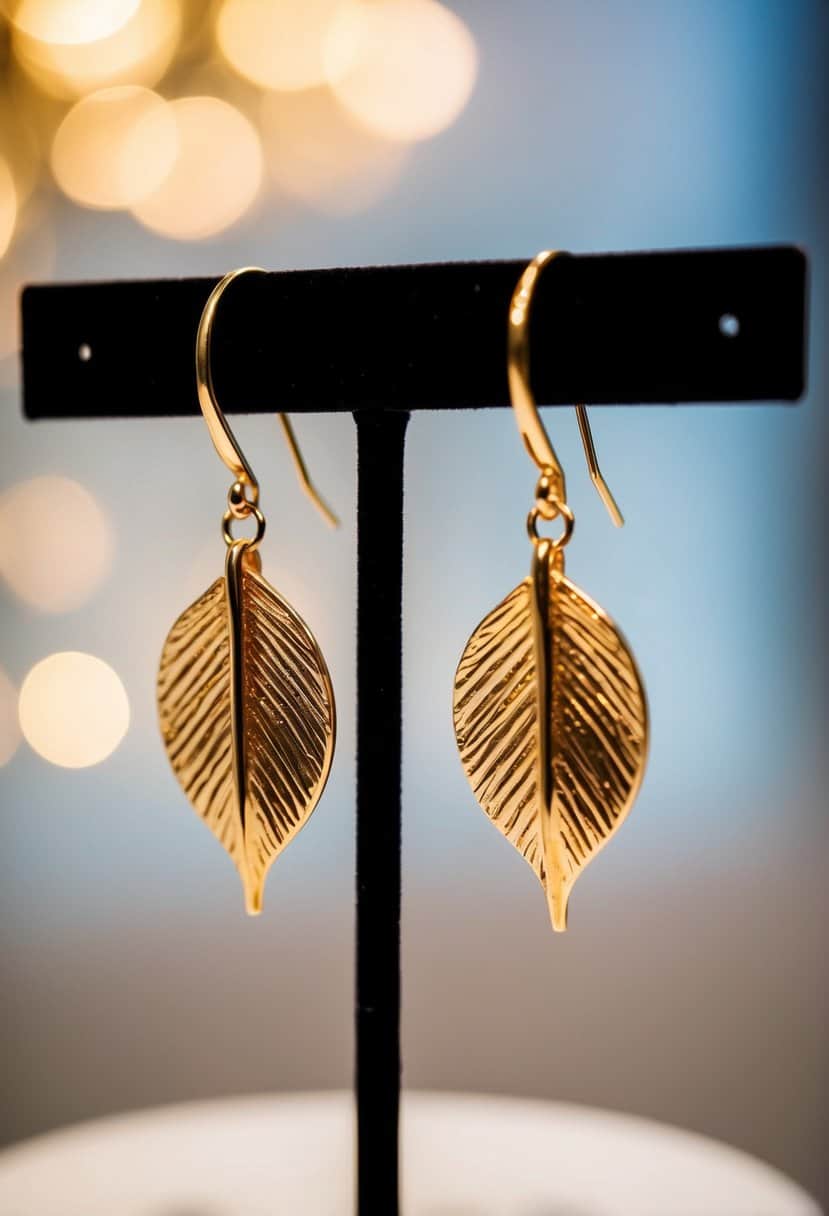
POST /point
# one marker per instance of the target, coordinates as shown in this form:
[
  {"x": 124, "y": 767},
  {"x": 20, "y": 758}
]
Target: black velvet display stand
[{"x": 380, "y": 342}]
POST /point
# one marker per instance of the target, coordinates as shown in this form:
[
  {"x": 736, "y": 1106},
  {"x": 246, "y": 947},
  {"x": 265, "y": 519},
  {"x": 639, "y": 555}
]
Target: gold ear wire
[
  {"x": 224, "y": 441},
  {"x": 245, "y": 702},
  {"x": 302, "y": 473},
  {"x": 550, "y": 713},
  {"x": 536, "y": 440}
]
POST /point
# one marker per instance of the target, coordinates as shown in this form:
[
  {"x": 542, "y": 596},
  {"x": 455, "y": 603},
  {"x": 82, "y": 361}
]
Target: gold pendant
[
  {"x": 551, "y": 724},
  {"x": 247, "y": 716},
  {"x": 245, "y": 700},
  {"x": 549, "y": 709}
]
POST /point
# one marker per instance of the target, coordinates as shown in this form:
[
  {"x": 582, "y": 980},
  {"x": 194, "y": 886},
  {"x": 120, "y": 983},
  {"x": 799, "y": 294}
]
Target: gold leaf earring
[
  {"x": 245, "y": 701},
  {"x": 549, "y": 709}
]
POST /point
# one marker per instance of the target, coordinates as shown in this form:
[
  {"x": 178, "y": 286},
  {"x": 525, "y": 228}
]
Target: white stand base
[{"x": 464, "y": 1155}]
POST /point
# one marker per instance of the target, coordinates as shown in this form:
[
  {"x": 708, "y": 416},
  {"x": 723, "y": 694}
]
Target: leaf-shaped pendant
[
  {"x": 247, "y": 716},
  {"x": 551, "y": 723}
]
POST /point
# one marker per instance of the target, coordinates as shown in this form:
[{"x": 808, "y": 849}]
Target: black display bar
[
  {"x": 657, "y": 327},
  {"x": 694, "y": 325}
]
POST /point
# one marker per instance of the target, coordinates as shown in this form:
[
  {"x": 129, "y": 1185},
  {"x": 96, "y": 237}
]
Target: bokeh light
[
  {"x": 139, "y": 52},
  {"x": 30, "y": 257},
  {"x": 216, "y": 175},
  {"x": 9, "y": 725},
  {"x": 276, "y": 43},
  {"x": 56, "y": 543},
  {"x": 331, "y": 92},
  {"x": 71, "y": 22},
  {"x": 73, "y": 709},
  {"x": 115, "y": 147},
  {"x": 317, "y": 153},
  {"x": 8, "y": 205},
  {"x": 20, "y": 147},
  {"x": 404, "y": 68}
]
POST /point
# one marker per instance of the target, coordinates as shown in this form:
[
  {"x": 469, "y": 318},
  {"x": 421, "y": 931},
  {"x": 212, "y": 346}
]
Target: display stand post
[
  {"x": 690, "y": 326},
  {"x": 380, "y": 446}
]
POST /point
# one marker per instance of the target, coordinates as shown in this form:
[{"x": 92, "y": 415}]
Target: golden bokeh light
[
  {"x": 56, "y": 543},
  {"x": 276, "y": 43},
  {"x": 115, "y": 147},
  {"x": 20, "y": 147},
  {"x": 73, "y": 709},
  {"x": 70, "y": 22},
  {"x": 139, "y": 52},
  {"x": 9, "y": 725},
  {"x": 30, "y": 257},
  {"x": 8, "y": 205},
  {"x": 216, "y": 175},
  {"x": 404, "y": 68},
  {"x": 318, "y": 154},
  {"x": 330, "y": 93}
]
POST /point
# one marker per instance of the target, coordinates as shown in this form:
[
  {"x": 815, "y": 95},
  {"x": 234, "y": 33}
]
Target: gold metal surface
[
  {"x": 536, "y": 440},
  {"x": 549, "y": 708},
  {"x": 245, "y": 701},
  {"x": 302, "y": 473},
  {"x": 223, "y": 438},
  {"x": 247, "y": 716},
  {"x": 551, "y": 723}
]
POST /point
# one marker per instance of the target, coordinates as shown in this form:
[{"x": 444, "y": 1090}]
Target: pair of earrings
[{"x": 549, "y": 709}]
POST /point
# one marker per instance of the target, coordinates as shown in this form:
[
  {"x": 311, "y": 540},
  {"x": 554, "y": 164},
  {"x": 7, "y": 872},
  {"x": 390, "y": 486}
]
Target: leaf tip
[
  {"x": 254, "y": 892},
  {"x": 557, "y": 898}
]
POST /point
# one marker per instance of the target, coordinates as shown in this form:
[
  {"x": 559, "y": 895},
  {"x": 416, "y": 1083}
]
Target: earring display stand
[{"x": 643, "y": 328}]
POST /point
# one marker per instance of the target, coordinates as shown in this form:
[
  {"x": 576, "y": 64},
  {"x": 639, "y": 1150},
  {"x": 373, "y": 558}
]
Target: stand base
[{"x": 486, "y": 1156}]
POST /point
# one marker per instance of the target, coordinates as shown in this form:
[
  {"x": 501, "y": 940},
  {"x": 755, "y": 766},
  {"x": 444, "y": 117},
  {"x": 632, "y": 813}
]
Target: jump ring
[
  {"x": 569, "y": 523},
  {"x": 227, "y": 521}
]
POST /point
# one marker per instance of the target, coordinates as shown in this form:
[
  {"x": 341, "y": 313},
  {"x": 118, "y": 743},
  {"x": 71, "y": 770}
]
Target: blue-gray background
[{"x": 692, "y": 986}]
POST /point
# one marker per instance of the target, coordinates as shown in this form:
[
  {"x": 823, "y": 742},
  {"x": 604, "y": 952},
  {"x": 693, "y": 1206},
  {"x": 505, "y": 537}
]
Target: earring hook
[
  {"x": 223, "y": 438},
  {"x": 536, "y": 440}
]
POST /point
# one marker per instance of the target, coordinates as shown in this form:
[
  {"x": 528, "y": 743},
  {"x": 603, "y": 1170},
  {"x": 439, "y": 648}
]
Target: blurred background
[{"x": 151, "y": 138}]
